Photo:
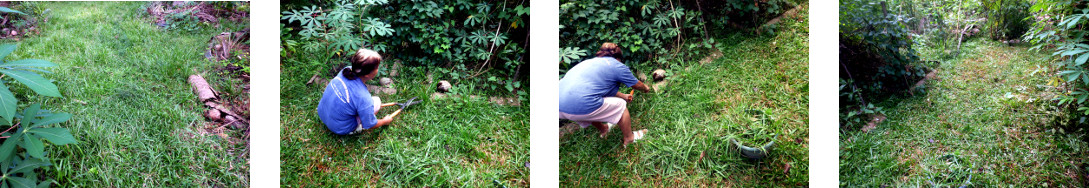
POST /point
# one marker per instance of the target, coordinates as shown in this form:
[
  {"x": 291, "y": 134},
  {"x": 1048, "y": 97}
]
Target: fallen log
[{"x": 214, "y": 111}]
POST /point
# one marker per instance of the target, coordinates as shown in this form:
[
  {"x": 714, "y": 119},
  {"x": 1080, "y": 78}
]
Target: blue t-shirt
[
  {"x": 343, "y": 102},
  {"x": 586, "y": 85}
]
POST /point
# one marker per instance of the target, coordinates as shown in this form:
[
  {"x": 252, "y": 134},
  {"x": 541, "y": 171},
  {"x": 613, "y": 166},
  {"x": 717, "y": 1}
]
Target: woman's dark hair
[
  {"x": 608, "y": 50},
  {"x": 363, "y": 62}
]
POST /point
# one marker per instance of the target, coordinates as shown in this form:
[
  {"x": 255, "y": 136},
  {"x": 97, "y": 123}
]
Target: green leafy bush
[
  {"x": 464, "y": 37},
  {"x": 183, "y": 21},
  {"x": 1007, "y": 19},
  {"x": 655, "y": 31},
  {"x": 876, "y": 54},
  {"x": 1062, "y": 30},
  {"x": 650, "y": 28},
  {"x": 22, "y": 152}
]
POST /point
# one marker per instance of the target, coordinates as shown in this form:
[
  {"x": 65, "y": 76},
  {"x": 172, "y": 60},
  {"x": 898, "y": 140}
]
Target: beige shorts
[{"x": 611, "y": 110}]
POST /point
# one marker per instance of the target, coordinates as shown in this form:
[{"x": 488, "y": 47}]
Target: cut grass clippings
[
  {"x": 986, "y": 121},
  {"x": 134, "y": 115},
  {"x": 691, "y": 118}
]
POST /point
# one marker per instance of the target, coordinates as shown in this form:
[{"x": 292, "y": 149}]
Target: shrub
[
  {"x": 1062, "y": 29},
  {"x": 1007, "y": 19},
  {"x": 876, "y": 55},
  {"x": 655, "y": 31},
  {"x": 478, "y": 34},
  {"x": 23, "y": 152},
  {"x": 462, "y": 40}
]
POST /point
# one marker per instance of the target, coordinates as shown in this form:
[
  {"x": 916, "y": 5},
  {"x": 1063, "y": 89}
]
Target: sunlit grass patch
[{"x": 135, "y": 116}]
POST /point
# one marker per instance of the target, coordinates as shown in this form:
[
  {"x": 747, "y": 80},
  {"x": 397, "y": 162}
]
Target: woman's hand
[
  {"x": 383, "y": 122},
  {"x": 626, "y": 97}
]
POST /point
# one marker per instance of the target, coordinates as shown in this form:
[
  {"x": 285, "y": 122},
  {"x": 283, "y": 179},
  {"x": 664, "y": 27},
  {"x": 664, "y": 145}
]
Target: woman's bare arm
[{"x": 641, "y": 87}]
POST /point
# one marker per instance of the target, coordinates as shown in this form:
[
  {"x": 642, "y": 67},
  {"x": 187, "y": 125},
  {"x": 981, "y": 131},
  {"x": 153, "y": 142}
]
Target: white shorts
[{"x": 611, "y": 110}]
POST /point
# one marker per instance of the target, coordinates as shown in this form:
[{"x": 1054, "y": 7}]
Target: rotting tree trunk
[
  {"x": 202, "y": 89},
  {"x": 215, "y": 112}
]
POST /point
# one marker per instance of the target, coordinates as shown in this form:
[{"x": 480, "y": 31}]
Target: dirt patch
[
  {"x": 929, "y": 76},
  {"x": 15, "y": 25},
  {"x": 657, "y": 86},
  {"x": 790, "y": 13},
  {"x": 376, "y": 90},
  {"x": 715, "y": 54},
  {"x": 166, "y": 13},
  {"x": 568, "y": 128},
  {"x": 874, "y": 121},
  {"x": 505, "y": 101}
]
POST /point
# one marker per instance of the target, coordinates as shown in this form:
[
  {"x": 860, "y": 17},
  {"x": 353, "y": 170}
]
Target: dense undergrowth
[
  {"x": 465, "y": 41},
  {"x": 655, "y": 32}
]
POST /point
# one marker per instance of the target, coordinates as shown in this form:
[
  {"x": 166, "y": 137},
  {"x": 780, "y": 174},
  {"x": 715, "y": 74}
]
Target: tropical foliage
[
  {"x": 656, "y": 31},
  {"x": 466, "y": 40},
  {"x": 22, "y": 152}
]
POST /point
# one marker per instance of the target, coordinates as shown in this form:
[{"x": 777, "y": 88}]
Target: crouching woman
[
  {"x": 346, "y": 106},
  {"x": 589, "y": 94}
]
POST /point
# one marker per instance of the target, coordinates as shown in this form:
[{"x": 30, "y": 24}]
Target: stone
[
  {"x": 444, "y": 86},
  {"x": 658, "y": 74},
  {"x": 385, "y": 81},
  {"x": 213, "y": 115}
]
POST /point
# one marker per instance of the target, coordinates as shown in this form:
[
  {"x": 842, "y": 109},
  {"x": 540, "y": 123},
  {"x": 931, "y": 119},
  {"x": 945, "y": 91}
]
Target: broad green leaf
[
  {"x": 57, "y": 136},
  {"x": 46, "y": 184},
  {"x": 1072, "y": 76},
  {"x": 34, "y": 146},
  {"x": 1073, "y": 22},
  {"x": 34, "y": 81},
  {"x": 8, "y": 147},
  {"x": 29, "y": 63},
  {"x": 1081, "y": 59},
  {"x": 6, "y": 49},
  {"x": 29, "y": 113},
  {"x": 7, "y": 103},
  {"x": 29, "y": 165},
  {"x": 9, "y": 10},
  {"x": 20, "y": 182},
  {"x": 53, "y": 118},
  {"x": 1072, "y": 52}
]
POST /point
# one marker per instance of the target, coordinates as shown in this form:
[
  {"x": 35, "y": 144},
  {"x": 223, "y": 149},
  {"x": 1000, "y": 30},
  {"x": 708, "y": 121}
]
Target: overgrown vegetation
[
  {"x": 656, "y": 31},
  {"x": 710, "y": 95},
  {"x": 1066, "y": 39},
  {"x": 962, "y": 110},
  {"x": 463, "y": 138},
  {"x": 134, "y": 118},
  {"x": 468, "y": 41}
]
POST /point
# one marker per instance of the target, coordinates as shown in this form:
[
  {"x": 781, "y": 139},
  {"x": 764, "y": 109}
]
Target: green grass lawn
[
  {"x": 703, "y": 103},
  {"x": 455, "y": 141},
  {"x": 135, "y": 116},
  {"x": 987, "y": 121}
]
